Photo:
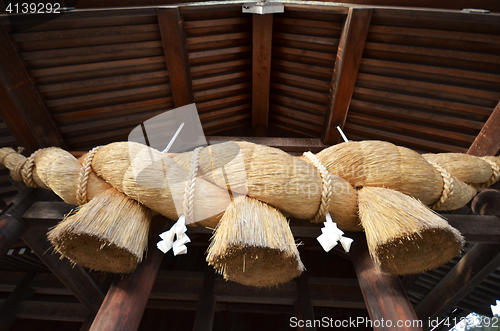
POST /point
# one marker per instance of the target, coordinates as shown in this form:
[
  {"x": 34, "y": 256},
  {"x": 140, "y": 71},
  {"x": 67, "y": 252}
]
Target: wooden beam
[
  {"x": 384, "y": 295},
  {"x": 74, "y": 277},
  {"x": 205, "y": 312},
  {"x": 174, "y": 45},
  {"x": 475, "y": 228},
  {"x": 481, "y": 260},
  {"x": 21, "y": 107},
  {"x": 472, "y": 269},
  {"x": 487, "y": 141},
  {"x": 11, "y": 224},
  {"x": 127, "y": 297},
  {"x": 262, "y": 37},
  {"x": 345, "y": 72}
]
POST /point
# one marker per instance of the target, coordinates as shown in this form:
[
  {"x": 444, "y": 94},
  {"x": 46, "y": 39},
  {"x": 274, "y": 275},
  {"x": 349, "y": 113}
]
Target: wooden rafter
[
  {"x": 487, "y": 141},
  {"x": 481, "y": 260},
  {"x": 11, "y": 225},
  {"x": 384, "y": 294},
  {"x": 350, "y": 50},
  {"x": 127, "y": 297},
  {"x": 21, "y": 107},
  {"x": 174, "y": 45},
  {"x": 261, "y": 69},
  {"x": 74, "y": 277}
]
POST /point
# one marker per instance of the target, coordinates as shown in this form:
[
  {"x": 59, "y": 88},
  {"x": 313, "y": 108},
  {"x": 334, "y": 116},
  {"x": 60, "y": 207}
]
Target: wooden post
[
  {"x": 21, "y": 107},
  {"x": 350, "y": 50},
  {"x": 174, "y": 46},
  {"x": 262, "y": 37},
  {"x": 385, "y": 298},
  {"x": 303, "y": 305},
  {"x": 126, "y": 300},
  {"x": 205, "y": 311}
]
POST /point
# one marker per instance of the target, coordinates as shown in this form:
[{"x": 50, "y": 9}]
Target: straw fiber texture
[
  {"x": 291, "y": 184},
  {"x": 109, "y": 233},
  {"x": 253, "y": 245},
  {"x": 403, "y": 235}
]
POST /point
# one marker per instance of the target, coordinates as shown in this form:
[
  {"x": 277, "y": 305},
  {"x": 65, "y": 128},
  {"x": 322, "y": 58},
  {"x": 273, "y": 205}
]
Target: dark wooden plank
[
  {"x": 21, "y": 107},
  {"x": 414, "y": 114},
  {"x": 74, "y": 277},
  {"x": 8, "y": 308},
  {"x": 384, "y": 295},
  {"x": 345, "y": 72},
  {"x": 476, "y": 228},
  {"x": 261, "y": 67},
  {"x": 402, "y": 127},
  {"x": 126, "y": 299},
  {"x": 205, "y": 311},
  {"x": 174, "y": 45},
  {"x": 487, "y": 141}
]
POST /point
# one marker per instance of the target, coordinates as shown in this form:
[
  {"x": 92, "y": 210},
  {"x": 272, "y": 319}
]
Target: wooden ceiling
[{"x": 428, "y": 79}]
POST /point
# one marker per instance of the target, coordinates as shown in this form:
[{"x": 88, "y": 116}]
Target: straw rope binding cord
[
  {"x": 188, "y": 203},
  {"x": 495, "y": 173},
  {"x": 326, "y": 191},
  {"x": 179, "y": 228},
  {"x": 447, "y": 186},
  {"x": 83, "y": 178},
  {"x": 27, "y": 173}
]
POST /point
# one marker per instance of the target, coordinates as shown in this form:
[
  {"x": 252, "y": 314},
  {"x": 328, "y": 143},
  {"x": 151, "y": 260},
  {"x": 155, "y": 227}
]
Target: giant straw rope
[{"x": 300, "y": 187}]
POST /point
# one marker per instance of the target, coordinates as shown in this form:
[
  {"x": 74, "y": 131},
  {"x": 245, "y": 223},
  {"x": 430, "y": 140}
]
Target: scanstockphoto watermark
[{"x": 327, "y": 322}]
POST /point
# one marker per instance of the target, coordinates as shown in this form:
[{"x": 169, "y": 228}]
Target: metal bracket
[{"x": 263, "y": 7}]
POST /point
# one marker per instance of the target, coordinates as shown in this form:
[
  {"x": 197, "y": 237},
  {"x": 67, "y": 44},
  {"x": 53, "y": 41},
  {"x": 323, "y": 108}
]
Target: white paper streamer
[
  {"x": 177, "y": 230},
  {"x": 331, "y": 235}
]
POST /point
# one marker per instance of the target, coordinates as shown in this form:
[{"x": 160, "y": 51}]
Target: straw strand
[
  {"x": 326, "y": 192},
  {"x": 83, "y": 178}
]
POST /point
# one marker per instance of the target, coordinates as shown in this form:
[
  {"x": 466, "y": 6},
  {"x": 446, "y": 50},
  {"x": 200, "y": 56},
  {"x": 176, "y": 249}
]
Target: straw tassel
[
  {"x": 403, "y": 235},
  {"x": 109, "y": 233},
  {"x": 253, "y": 245}
]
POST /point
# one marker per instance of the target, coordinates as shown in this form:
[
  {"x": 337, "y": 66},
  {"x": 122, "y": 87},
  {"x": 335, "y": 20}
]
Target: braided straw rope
[
  {"x": 326, "y": 192},
  {"x": 188, "y": 204},
  {"x": 495, "y": 173},
  {"x": 447, "y": 185},
  {"x": 25, "y": 169},
  {"x": 83, "y": 178}
]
